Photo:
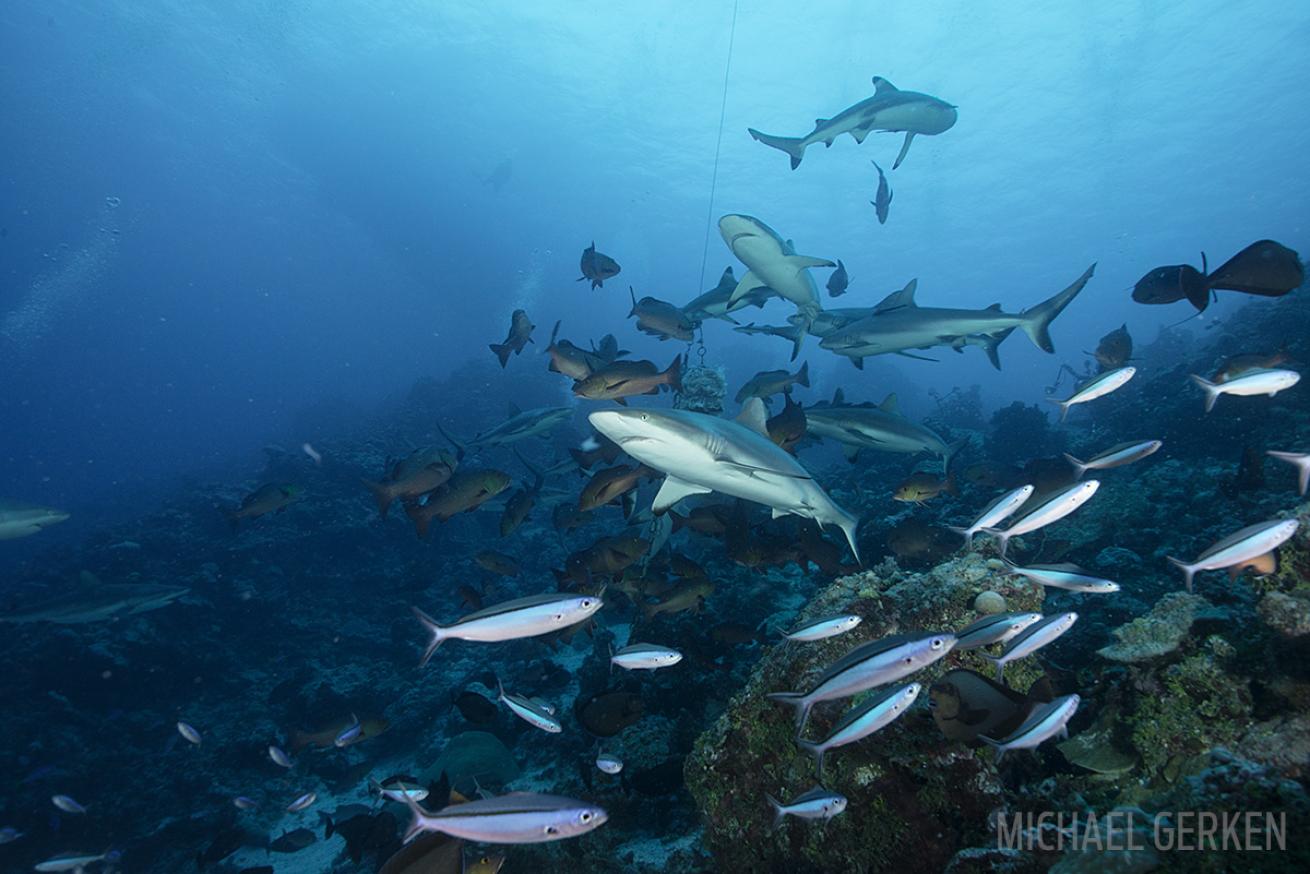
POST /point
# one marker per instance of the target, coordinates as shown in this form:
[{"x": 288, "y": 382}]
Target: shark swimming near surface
[{"x": 889, "y": 109}]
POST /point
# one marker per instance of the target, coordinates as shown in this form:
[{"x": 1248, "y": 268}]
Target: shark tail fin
[
  {"x": 1211, "y": 391},
  {"x": 954, "y": 449},
  {"x": 502, "y": 351},
  {"x": 991, "y": 346},
  {"x": 1036, "y": 321},
  {"x": 803, "y": 375},
  {"x": 793, "y": 146}
]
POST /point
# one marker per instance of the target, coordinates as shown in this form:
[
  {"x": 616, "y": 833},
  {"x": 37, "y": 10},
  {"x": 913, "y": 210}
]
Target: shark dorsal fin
[
  {"x": 754, "y": 416},
  {"x": 890, "y": 404},
  {"x": 882, "y": 86},
  {"x": 513, "y": 410},
  {"x": 838, "y": 398},
  {"x": 899, "y": 299},
  {"x": 820, "y": 122},
  {"x": 994, "y": 308}
]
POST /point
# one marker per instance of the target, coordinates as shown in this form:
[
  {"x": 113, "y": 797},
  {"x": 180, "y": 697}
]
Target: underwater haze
[{"x": 254, "y": 253}]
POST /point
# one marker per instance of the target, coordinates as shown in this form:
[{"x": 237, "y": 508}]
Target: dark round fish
[
  {"x": 607, "y": 713},
  {"x": 476, "y": 708}
]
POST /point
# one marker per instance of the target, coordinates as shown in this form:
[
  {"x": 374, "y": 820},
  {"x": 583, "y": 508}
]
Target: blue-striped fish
[
  {"x": 644, "y": 657},
  {"x": 1063, "y": 576},
  {"x": 1097, "y": 387},
  {"x": 1239, "y": 548},
  {"x": 533, "y": 711},
  {"x": 1116, "y": 456},
  {"x": 1053, "y": 509},
  {"x": 995, "y": 513}
]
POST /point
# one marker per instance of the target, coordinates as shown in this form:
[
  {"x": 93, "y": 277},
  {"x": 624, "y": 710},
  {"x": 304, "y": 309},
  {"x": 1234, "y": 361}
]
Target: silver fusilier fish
[
  {"x": 302, "y": 802},
  {"x": 1115, "y": 456},
  {"x": 1097, "y": 387},
  {"x": 1046, "y": 721},
  {"x": 1063, "y": 576},
  {"x": 1031, "y": 639},
  {"x": 861, "y": 721},
  {"x": 1260, "y": 381},
  {"x": 1051, "y": 510},
  {"x": 1239, "y": 548},
  {"x": 609, "y": 763},
  {"x": 67, "y": 804},
  {"x": 75, "y": 862},
  {"x": 1299, "y": 460},
  {"x": 994, "y": 628},
  {"x": 516, "y": 818},
  {"x": 533, "y": 711},
  {"x": 818, "y": 803},
  {"x": 868, "y": 665},
  {"x": 996, "y": 512},
  {"x": 189, "y": 732},
  {"x": 511, "y": 620},
  {"x": 279, "y": 756},
  {"x": 645, "y": 657},
  {"x": 824, "y": 627}
]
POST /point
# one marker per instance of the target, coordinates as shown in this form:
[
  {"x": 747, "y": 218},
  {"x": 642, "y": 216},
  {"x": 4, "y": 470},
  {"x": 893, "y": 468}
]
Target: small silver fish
[
  {"x": 818, "y": 803},
  {"x": 511, "y": 620},
  {"x": 994, "y": 628},
  {"x": 610, "y": 764},
  {"x": 1063, "y": 576},
  {"x": 9, "y": 834},
  {"x": 398, "y": 790},
  {"x": 67, "y": 804},
  {"x": 76, "y": 862},
  {"x": 302, "y": 802},
  {"x": 1239, "y": 548},
  {"x": 879, "y": 711},
  {"x": 1260, "y": 381},
  {"x": 824, "y": 627},
  {"x": 645, "y": 657},
  {"x": 1046, "y": 721},
  {"x": 279, "y": 756},
  {"x": 995, "y": 513},
  {"x": 188, "y": 731},
  {"x": 1031, "y": 639},
  {"x": 244, "y": 803},
  {"x": 516, "y": 818},
  {"x": 1097, "y": 387},
  {"x": 350, "y": 734},
  {"x": 531, "y": 710},
  {"x": 1115, "y": 456},
  {"x": 1048, "y": 512}
]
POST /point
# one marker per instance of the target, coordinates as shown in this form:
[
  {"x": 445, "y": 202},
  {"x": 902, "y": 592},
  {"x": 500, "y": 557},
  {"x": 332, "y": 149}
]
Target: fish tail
[
  {"x": 815, "y": 750},
  {"x": 797, "y": 700},
  {"x": 632, "y": 294},
  {"x": 434, "y": 629},
  {"x": 1002, "y": 539},
  {"x": 1079, "y": 467},
  {"x": 778, "y": 814},
  {"x": 1187, "y": 569},
  {"x": 673, "y": 375},
  {"x": 502, "y": 351},
  {"x": 419, "y": 824},
  {"x": 966, "y": 533},
  {"x": 381, "y": 494},
  {"x": 1063, "y": 405},
  {"x": 1036, "y": 321},
  {"x": 803, "y": 375},
  {"x": 793, "y": 146},
  {"x": 1211, "y": 391}
]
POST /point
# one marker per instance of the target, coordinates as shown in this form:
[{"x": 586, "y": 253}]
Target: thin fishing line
[{"x": 718, "y": 145}]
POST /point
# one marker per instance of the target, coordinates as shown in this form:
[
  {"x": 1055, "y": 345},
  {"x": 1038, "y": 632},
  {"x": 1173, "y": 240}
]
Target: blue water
[{"x": 225, "y": 225}]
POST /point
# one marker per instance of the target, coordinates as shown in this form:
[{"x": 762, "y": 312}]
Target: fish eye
[
  {"x": 909, "y": 661},
  {"x": 937, "y": 643},
  {"x": 586, "y": 602},
  {"x": 586, "y": 816}
]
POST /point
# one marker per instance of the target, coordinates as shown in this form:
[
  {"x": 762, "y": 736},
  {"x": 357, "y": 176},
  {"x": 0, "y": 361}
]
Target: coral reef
[{"x": 1159, "y": 632}]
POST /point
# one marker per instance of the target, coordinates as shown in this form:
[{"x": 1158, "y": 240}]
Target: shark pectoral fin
[
  {"x": 858, "y": 362},
  {"x": 905, "y": 147},
  {"x": 745, "y": 286},
  {"x": 778, "y": 514},
  {"x": 674, "y": 490},
  {"x": 851, "y": 452},
  {"x": 803, "y": 261},
  {"x": 860, "y": 133},
  {"x": 754, "y": 416}
]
